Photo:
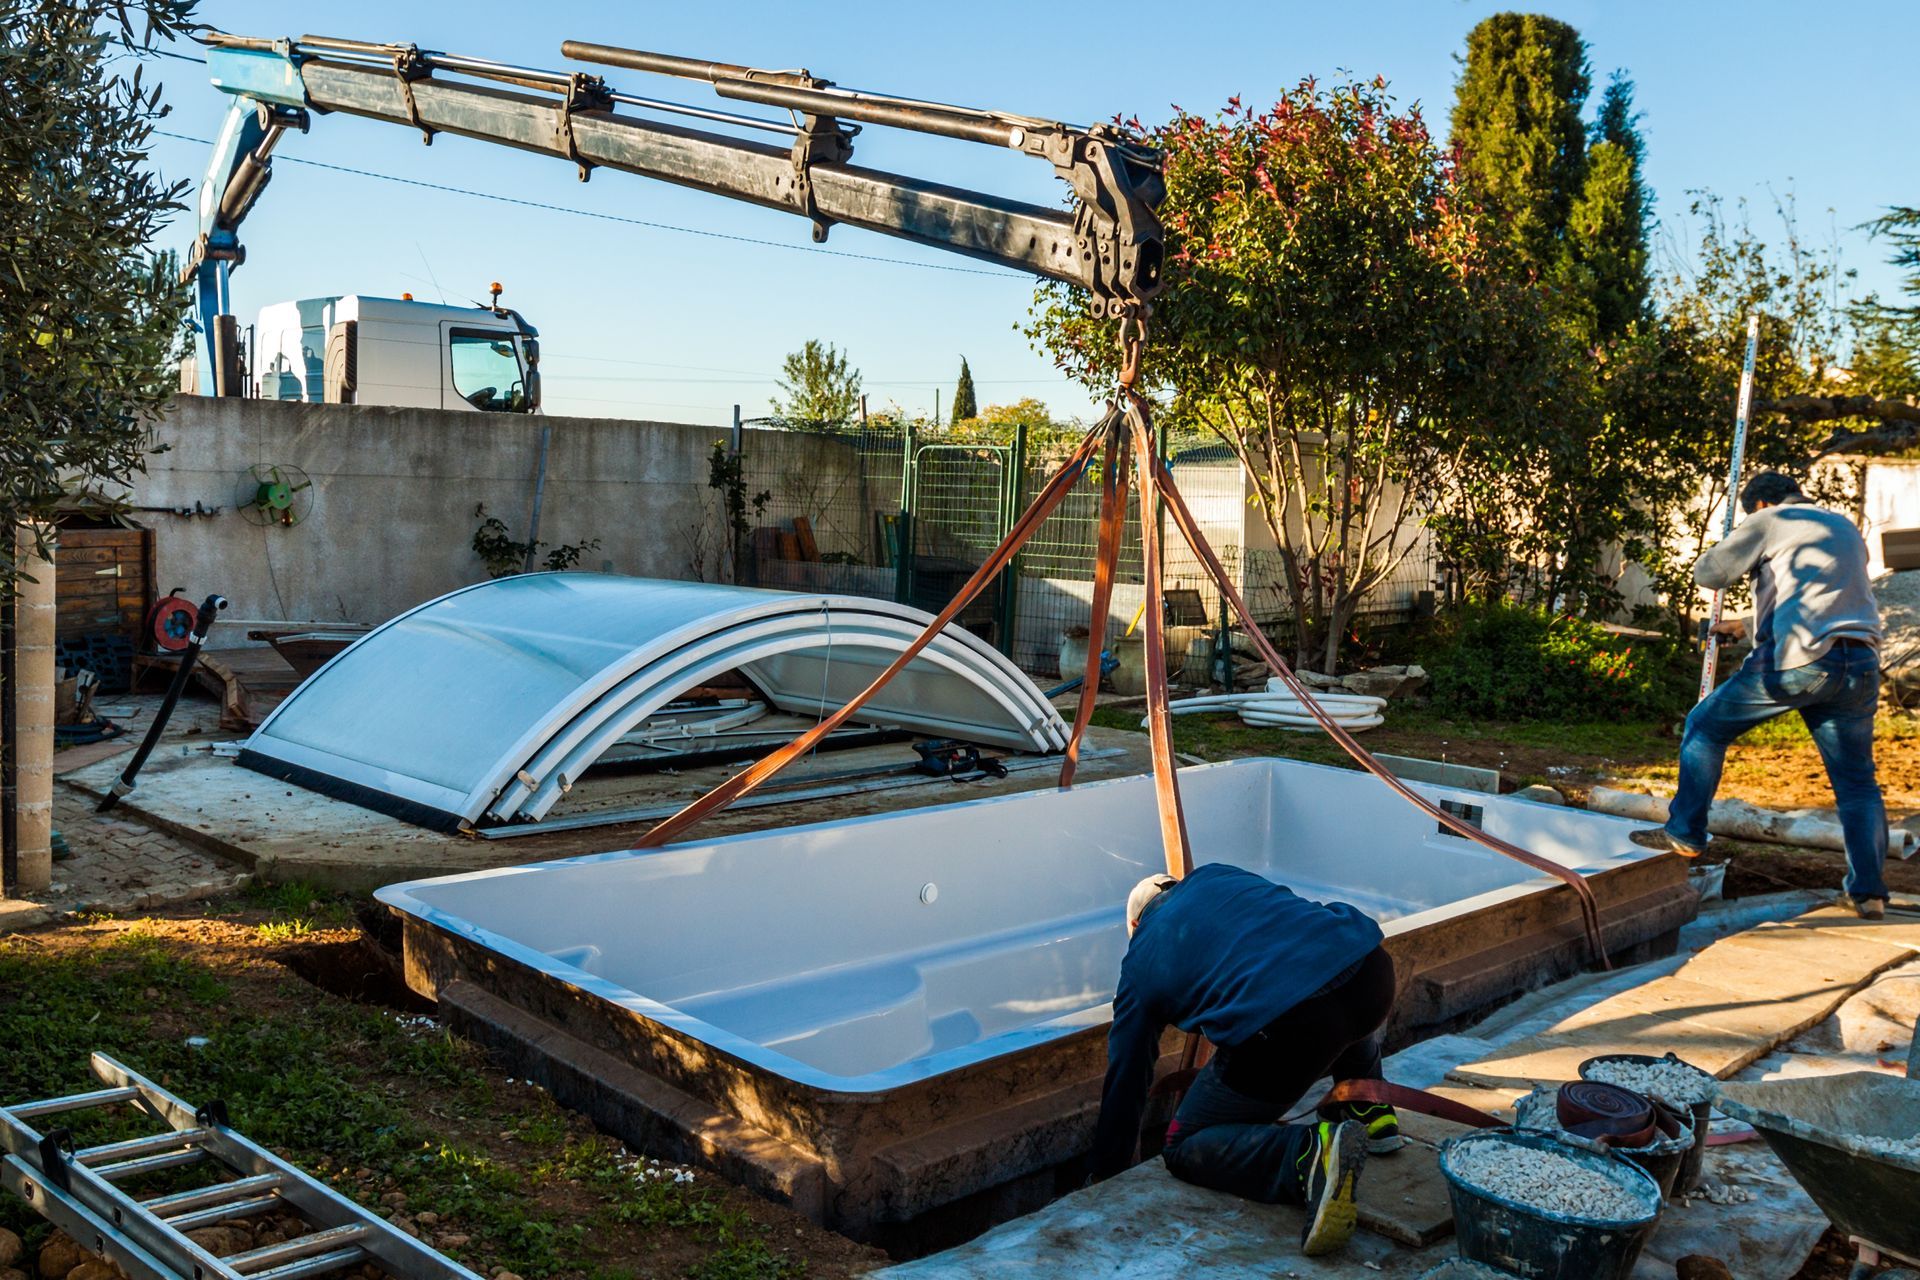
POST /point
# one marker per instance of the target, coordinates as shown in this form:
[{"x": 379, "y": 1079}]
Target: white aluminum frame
[{"x": 682, "y": 634}]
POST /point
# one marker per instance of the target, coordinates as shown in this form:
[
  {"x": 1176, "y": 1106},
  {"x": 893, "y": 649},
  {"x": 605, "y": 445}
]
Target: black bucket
[
  {"x": 1540, "y": 1243},
  {"x": 1693, "y": 1159}
]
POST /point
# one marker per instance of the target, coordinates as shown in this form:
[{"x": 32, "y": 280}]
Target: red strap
[
  {"x": 1183, "y": 518},
  {"x": 1404, "y": 1098},
  {"x": 1166, "y": 783},
  {"x": 1113, "y": 519}
]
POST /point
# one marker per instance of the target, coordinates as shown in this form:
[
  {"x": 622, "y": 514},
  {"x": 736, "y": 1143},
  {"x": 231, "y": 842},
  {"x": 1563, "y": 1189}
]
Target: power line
[{"x": 614, "y": 217}]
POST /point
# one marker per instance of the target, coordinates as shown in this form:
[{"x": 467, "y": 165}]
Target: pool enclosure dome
[{"x": 485, "y": 705}]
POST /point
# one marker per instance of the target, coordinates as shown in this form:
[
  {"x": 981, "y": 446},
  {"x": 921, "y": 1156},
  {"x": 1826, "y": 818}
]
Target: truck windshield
[{"x": 486, "y": 370}]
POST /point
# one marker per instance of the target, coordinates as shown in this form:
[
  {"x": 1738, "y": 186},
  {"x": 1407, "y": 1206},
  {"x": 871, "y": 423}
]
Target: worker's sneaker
[
  {"x": 1382, "y": 1123},
  {"x": 1865, "y": 908},
  {"x": 1662, "y": 839},
  {"x": 1332, "y": 1163}
]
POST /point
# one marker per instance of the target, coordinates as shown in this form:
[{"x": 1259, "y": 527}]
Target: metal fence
[{"x": 885, "y": 510}]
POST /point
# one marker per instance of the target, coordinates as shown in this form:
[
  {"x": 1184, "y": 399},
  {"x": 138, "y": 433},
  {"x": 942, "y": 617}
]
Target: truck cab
[{"x": 357, "y": 349}]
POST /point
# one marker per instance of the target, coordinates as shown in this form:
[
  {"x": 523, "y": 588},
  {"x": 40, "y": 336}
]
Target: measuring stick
[{"x": 1710, "y": 660}]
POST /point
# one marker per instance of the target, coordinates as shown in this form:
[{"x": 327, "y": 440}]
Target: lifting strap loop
[
  {"x": 1166, "y": 782},
  {"x": 1403, "y": 1098},
  {"x": 1177, "y": 508},
  {"x": 1113, "y": 520}
]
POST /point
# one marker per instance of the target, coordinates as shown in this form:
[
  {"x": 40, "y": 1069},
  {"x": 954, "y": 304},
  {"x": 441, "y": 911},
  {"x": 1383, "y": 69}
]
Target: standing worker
[
  {"x": 1286, "y": 990},
  {"x": 1816, "y": 650}
]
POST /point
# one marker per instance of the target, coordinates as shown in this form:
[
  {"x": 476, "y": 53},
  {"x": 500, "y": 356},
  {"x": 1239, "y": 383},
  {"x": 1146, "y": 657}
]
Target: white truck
[{"x": 357, "y": 349}]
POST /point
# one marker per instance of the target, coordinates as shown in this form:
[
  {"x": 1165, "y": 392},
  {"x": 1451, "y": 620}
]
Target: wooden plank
[
  {"x": 86, "y": 555},
  {"x": 1403, "y": 1196},
  {"x": 803, "y": 532},
  {"x": 249, "y": 682},
  {"x": 101, "y": 538}
]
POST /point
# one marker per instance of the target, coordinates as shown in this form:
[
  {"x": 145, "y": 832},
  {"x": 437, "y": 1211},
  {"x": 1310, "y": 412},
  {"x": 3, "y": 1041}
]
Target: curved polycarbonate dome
[{"x": 487, "y": 703}]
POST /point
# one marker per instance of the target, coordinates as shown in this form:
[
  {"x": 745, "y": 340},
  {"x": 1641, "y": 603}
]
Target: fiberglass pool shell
[
  {"x": 911, "y": 1008},
  {"x": 485, "y": 705}
]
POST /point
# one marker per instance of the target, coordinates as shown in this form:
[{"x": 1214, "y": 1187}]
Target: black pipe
[
  {"x": 123, "y": 785},
  {"x": 797, "y": 92},
  {"x": 666, "y": 64},
  {"x": 957, "y": 122}
]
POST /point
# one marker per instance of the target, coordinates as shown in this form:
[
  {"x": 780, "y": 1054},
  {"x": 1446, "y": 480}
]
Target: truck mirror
[{"x": 533, "y": 390}]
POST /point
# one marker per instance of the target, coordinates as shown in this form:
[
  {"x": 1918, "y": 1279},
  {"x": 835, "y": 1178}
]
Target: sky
[{"x": 685, "y": 317}]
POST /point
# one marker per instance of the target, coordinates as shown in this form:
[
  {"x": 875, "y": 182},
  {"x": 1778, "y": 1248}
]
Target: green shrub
[{"x": 1505, "y": 662}]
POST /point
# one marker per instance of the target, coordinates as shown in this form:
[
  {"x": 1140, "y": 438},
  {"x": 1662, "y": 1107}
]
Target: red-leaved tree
[{"x": 1328, "y": 314}]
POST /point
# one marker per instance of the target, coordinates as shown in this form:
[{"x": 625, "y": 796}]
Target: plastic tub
[{"x": 1540, "y": 1243}]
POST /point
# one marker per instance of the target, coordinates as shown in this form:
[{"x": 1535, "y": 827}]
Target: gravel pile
[
  {"x": 1908, "y": 1147},
  {"x": 1544, "y": 1180},
  {"x": 1674, "y": 1083}
]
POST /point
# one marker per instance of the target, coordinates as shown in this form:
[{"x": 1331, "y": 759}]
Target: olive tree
[
  {"x": 1322, "y": 316},
  {"x": 818, "y": 387},
  {"x": 89, "y": 319}
]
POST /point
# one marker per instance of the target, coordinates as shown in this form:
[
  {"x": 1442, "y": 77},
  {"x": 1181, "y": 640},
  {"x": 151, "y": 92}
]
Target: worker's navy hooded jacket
[{"x": 1224, "y": 952}]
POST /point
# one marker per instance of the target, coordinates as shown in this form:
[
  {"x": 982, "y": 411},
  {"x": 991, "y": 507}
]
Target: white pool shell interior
[{"x": 868, "y": 953}]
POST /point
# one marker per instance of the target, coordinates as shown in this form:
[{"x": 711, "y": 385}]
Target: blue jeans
[
  {"x": 1836, "y": 697},
  {"x": 1226, "y": 1134}
]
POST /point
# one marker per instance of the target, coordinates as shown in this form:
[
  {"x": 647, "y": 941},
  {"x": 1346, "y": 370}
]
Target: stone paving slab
[{"x": 1726, "y": 1007}]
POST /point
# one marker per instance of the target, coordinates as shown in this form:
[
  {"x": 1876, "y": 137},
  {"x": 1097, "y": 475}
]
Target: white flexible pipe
[{"x": 1279, "y": 708}]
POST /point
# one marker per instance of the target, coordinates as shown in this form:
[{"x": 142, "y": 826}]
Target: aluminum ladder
[{"x": 84, "y": 1193}]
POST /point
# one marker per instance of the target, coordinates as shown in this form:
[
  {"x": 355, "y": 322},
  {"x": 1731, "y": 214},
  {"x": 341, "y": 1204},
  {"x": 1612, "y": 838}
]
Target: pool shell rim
[{"x": 402, "y": 898}]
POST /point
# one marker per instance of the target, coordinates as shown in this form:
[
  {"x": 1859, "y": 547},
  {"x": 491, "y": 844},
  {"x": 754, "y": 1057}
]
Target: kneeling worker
[{"x": 1287, "y": 990}]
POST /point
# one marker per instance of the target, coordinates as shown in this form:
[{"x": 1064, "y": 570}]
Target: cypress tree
[
  {"x": 965, "y": 405},
  {"x": 1516, "y": 120},
  {"x": 1607, "y": 227}
]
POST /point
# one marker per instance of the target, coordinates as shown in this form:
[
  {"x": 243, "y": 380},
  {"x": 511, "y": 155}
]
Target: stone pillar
[{"x": 33, "y": 712}]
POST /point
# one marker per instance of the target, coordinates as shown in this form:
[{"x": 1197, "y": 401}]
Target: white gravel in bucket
[
  {"x": 1544, "y": 1180},
  {"x": 1908, "y": 1147},
  {"x": 1674, "y": 1083}
]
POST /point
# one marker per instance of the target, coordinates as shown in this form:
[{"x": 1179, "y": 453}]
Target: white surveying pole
[{"x": 1710, "y": 660}]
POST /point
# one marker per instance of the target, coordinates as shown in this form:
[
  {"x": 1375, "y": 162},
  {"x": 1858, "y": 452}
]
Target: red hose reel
[{"x": 171, "y": 620}]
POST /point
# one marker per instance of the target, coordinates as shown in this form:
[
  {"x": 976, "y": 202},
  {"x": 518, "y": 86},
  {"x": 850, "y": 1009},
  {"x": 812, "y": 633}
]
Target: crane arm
[{"x": 1109, "y": 242}]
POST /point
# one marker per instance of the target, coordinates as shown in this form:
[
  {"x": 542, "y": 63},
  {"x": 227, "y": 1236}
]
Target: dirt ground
[{"x": 378, "y": 1100}]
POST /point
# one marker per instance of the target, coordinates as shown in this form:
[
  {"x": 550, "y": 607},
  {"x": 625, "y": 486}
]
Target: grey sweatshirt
[{"x": 1810, "y": 585}]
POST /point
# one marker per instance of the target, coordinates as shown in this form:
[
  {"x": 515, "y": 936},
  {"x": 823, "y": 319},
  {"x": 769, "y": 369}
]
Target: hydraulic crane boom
[{"x": 1109, "y": 243}]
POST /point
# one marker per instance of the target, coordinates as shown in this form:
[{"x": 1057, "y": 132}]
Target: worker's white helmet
[{"x": 1143, "y": 893}]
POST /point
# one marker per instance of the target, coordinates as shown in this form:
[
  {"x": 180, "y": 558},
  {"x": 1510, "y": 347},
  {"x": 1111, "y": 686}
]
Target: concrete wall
[{"x": 394, "y": 491}]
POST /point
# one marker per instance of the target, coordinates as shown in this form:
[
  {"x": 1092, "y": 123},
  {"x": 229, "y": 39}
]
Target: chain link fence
[{"x": 884, "y": 510}]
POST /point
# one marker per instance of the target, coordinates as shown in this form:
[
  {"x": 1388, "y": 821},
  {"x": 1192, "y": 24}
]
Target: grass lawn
[{"x": 389, "y": 1108}]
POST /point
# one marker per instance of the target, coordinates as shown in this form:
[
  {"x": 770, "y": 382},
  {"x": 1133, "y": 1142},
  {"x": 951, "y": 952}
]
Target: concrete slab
[
  {"x": 283, "y": 832},
  {"x": 1145, "y": 1225}
]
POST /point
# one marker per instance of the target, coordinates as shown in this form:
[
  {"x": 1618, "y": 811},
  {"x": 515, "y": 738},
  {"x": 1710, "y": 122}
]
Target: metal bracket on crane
[
  {"x": 584, "y": 93},
  {"x": 821, "y": 140},
  {"x": 409, "y": 66}
]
